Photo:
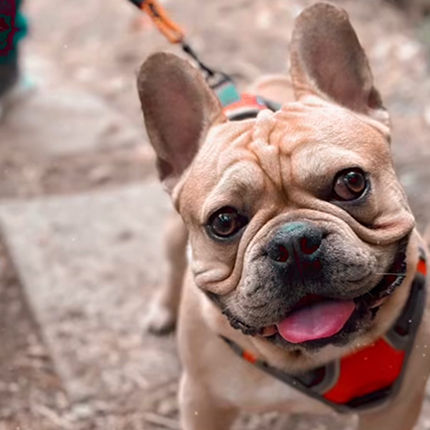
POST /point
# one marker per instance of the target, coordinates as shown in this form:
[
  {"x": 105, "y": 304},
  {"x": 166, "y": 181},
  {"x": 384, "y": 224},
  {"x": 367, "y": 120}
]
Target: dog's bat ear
[
  {"x": 327, "y": 60},
  {"x": 178, "y": 108}
]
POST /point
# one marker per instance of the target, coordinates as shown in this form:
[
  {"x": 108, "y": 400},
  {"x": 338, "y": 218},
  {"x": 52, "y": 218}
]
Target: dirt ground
[{"x": 98, "y": 45}]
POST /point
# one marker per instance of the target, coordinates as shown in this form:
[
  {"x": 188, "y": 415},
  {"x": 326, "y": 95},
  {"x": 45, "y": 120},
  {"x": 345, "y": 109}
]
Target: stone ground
[{"x": 81, "y": 213}]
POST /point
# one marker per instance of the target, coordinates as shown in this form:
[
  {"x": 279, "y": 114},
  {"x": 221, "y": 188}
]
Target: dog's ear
[
  {"x": 327, "y": 60},
  {"x": 179, "y": 108}
]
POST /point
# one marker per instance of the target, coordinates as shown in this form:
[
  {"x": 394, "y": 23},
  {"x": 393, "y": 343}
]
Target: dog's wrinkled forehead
[{"x": 295, "y": 146}]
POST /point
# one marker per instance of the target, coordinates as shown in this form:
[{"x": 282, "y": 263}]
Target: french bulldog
[{"x": 302, "y": 249}]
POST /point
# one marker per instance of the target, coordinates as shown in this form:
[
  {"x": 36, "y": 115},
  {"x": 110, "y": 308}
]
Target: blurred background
[{"x": 81, "y": 211}]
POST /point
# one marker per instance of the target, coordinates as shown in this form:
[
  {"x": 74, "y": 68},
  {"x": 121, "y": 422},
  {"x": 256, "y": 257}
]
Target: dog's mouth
[
  {"x": 318, "y": 319},
  {"x": 314, "y": 317}
]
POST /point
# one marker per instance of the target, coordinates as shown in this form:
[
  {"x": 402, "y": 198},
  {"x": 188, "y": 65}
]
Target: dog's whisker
[{"x": 388, "y": 273}]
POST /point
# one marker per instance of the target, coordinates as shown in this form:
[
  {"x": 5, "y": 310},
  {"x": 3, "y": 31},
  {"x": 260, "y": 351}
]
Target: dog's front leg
[
  {"x": 200, "y": 410},
  {"x": 164, "y": 307}
]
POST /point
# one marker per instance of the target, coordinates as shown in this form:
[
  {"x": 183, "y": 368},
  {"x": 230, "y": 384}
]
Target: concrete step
[{"x": 89, "y": 264}]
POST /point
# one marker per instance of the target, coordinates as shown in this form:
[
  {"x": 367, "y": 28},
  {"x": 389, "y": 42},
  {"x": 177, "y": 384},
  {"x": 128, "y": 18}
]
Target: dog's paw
[{"x": 161, "y": 320}]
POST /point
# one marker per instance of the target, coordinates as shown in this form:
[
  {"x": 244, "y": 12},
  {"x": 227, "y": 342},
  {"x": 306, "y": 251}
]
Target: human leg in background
[{"x": 13, "y": 28}]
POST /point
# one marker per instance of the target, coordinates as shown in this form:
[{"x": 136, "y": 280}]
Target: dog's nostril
[
  {"x": 309, "y": 245},
  {"x": 278, "y": 253},
  {"x": 282, "y": 254}
]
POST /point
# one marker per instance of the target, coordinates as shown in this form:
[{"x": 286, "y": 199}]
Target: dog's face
[{"x": 296, "y": 217}]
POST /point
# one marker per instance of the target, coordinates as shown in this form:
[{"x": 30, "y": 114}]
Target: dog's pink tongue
[{"x": 317, "y": 321}]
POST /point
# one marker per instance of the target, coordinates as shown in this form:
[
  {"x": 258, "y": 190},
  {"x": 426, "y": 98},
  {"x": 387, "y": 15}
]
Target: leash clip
[
  {"x": 221, "y": 83},
  {"x": 224, "y": 87}
]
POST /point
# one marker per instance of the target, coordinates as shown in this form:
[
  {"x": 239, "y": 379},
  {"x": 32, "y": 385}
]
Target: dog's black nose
[{"x": 296, "y": 242}]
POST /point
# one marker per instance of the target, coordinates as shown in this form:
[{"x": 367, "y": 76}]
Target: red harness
[
  {"x": 368, "y": 377},
  {"x": 366, "y": 371}
]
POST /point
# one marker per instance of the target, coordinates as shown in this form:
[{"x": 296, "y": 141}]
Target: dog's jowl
[{"x": 305, "y": 287}]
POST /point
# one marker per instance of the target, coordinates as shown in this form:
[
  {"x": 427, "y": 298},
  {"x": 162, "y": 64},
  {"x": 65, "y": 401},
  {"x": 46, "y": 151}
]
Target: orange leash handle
[{"x": 170, "y": 29}]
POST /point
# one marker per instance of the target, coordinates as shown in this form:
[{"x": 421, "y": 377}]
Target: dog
[{"x": 305, "y": 286}]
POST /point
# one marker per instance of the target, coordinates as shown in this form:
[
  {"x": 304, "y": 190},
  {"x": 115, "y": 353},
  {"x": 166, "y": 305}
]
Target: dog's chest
[{"x": 251, "y": 390}]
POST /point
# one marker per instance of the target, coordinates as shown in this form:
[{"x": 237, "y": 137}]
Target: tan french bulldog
[{"x": 303, "y": 252}]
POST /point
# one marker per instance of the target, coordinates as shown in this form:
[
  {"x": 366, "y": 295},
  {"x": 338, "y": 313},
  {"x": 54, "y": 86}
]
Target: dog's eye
[
  {"x": 349, "y": 185},
  {"x": 226, "y": 222}
]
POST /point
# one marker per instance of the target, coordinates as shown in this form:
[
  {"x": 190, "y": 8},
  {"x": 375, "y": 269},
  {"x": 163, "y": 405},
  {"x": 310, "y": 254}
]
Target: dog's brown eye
[
  {"x": 349, "y": 185},
  {"x": 226, "y": 222}
]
